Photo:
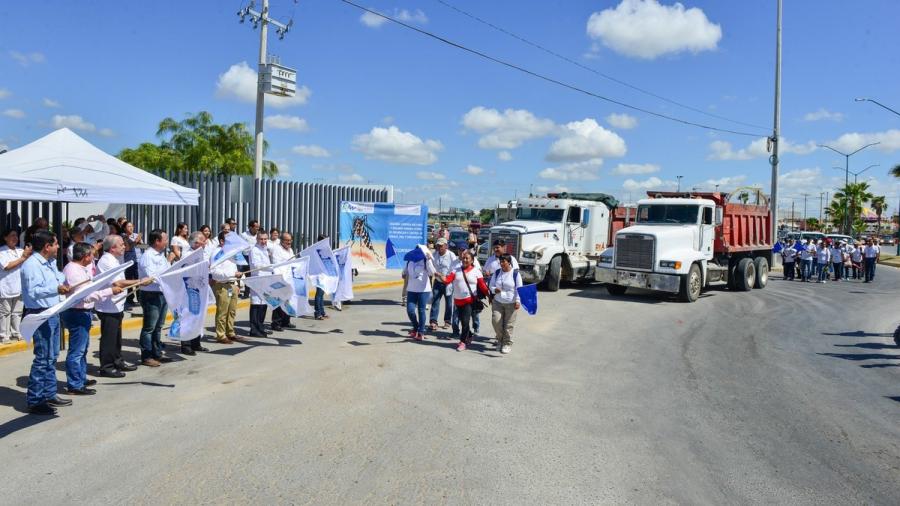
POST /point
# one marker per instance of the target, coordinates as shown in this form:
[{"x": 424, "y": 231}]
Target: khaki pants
[
  {"x": 226, "y": 295},
  {"x": 503, "y": 318},
  {"x": 10, "y": 314}
]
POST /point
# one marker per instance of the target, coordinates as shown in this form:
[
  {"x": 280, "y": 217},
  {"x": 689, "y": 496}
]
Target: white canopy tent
[{"x": 63, "y": 167}]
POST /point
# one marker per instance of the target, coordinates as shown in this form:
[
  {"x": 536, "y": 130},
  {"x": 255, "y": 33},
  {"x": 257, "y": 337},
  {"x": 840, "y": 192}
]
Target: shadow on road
[
  {"x": 870, "y": 346},
  {"x": 380, "y": 333},
  {"x": 897, "y": 398},
  {"x": 145, "y": 383},
  {"x": 861, "y": 356},
  {"x": 878, "y": 366},
  {"x": 857, "y": 333}
]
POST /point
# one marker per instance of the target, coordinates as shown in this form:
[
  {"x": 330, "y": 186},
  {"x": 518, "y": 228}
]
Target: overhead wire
[
  {"x": 547, "y": 78},
  {"x": 591, "y": 69}
]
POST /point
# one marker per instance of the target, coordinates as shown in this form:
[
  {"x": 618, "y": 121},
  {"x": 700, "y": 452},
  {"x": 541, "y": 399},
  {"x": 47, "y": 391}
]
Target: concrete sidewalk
[{"x": 133, "y": 319}]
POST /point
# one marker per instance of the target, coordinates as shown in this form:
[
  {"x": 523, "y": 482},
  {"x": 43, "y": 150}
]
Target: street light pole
[
  {"x": 847, "y": 156},
  {"x": 776, "y": 130},
  {"x": 876, "y": 103},
  {"x": 679, "y": 183}
]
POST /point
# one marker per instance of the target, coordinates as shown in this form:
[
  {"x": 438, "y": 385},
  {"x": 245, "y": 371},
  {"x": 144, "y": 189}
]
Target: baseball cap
[{"x": 441, "y": 241}]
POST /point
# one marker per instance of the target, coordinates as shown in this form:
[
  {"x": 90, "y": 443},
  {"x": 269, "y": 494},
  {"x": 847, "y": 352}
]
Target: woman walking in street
[
  {"x": 505, "y": 283},
  {"x": 466, "y": 281},
  {"x": 418, "y": 275}
]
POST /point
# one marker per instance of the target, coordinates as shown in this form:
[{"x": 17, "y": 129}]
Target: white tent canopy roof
[{"x": 63, "y": 167}]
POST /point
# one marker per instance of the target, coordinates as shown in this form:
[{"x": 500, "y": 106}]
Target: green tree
[
  {"x": 879, "y": 204},
  {"x": 896, "y": 170},
  {"x": 486, "y": 215},
  {"x": 853, "y": 196},
  {"x": 813, "y": 224},
  {"x": 197, "y": 144}
]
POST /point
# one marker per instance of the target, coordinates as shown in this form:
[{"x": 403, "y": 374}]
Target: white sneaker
[
  {"x": 4, "y": 340},
  {"x": 506, "y": 349}
]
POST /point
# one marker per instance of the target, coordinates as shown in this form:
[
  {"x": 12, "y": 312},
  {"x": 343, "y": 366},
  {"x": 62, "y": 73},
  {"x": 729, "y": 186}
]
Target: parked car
[
  {"x": 839, "y": 238},
  {"x": 888, "y": 240},
  {"x": 484, "y": 234},
  {"x": 459, "y": 239}
]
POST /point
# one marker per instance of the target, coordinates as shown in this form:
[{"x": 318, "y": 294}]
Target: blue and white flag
[
  {"x": 274, "y": 289},
  {"x": 187, "y": 295},
  {"x": 298, "y": 279},
  {"x": 389, "y": 250},
  {"x": 417, "y": 254},
  {"x": 234, "y": 245},
  {"x": 528, "y": 298},
  {"x": 323, "y": 266},
  {"x": 345, "y": 270}
]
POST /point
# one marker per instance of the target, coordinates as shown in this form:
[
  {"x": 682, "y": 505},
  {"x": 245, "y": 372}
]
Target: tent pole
[{"x": 56, "y": 210}]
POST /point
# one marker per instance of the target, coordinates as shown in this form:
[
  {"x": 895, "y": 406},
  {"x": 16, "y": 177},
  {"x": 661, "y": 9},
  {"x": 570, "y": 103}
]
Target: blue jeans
[
  {"x": 153, "y": 304},
  {"x": 821, "y": 271},
  {"x": 415, "y": 309},
  {"x": 806, "y": 269},
  {"x": 42, "y": 380},
  {"x": 320, "y": 302},
  {"x": 438, "y": 293},
  {"x": 78, "y": 323},
  {"x": 476, "y": 322}
]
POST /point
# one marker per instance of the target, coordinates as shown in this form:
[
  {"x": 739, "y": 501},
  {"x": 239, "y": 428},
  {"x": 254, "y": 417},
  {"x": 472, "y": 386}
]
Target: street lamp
[
  {"x": 876, "y": 103},
  {"x": 847, "y": 175},
  {"x": 679, "y": 183},
  {"x": 856, "y": 174}
]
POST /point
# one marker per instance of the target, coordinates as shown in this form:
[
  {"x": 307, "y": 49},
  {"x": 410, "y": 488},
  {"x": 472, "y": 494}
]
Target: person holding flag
[
  {"x": 504, "y": 287},
  {"x": 224, "y": 273},
  {"x": 197, "y": 241},
  {"x": 418, "y": 271},
  {"x": 259, "y": 261},
  {"x": 466, "y": 281},
  {"x": 280, "y": 253},
  {"x": 153, "y": 305}
]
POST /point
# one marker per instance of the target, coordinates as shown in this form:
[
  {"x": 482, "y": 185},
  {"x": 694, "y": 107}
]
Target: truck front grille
[
  {"x": 634, "y": 251},
  {"x": 512, "y": 242}
]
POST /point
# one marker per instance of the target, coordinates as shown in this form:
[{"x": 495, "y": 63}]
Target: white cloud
[
  {"x": 311, "y": 150},
  {"x": 473, "y": 170},
  {"x": 4, "y": 93},
  {"x": 622, "y": 121},
  {"x": 801, "y": 179},
  {"x": 73, "y": 122},
  {"x": 284, "y": 167},
  {"x": 430, "y": 176},
  {"x": 849, "y": 142},
  {"x": 651, "y": 183},
  {"x": 375, "y": 21},
  {"x": 26, "y": 59},
  {"x": 506, "y": 130},
  {"x": 558, "y": 188},
  {"x": 51, "y": 103},
  {"x": 504, "y": 156},
  {"x": 391, "y": 145},
  {"x": 727, "y": 183},
  {"x": 722, "y": 150},
  {"x": 584, "y": 140},
  {"x": 823, "y": 114},
  {"x": 351, "y": 178},
  {"x": 577, "y": 171},
  {"x": 239, "y": 83},
  {"x": 106, "y": 132},
  {"x": 14, "y": 113},
  {"x": 624, "y": 169},
  {"x": 646, "y": 29},
  {"x": 286, "y": 122}
]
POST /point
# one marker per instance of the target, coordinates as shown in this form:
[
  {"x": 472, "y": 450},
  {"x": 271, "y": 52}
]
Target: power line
[
  {"x": 591, "y": 69},
  {"x": 547, "y": 78}
]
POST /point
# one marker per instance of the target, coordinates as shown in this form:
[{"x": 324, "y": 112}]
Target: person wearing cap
[
  {"x": 492, "y": 265},
  {"x": 444, "y": 260}
]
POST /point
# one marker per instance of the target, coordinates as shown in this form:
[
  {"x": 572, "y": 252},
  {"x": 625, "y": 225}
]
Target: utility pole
[
  {"x": 793, "y": 217},
  {"x": 679, "y": 183},
  {"x": 805, "y": 195},
  {"x": 776, "y": 130},
  {"x": 261, "y": 19}
]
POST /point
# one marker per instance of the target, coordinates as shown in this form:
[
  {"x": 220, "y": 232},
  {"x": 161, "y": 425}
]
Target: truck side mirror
[
  {"x": 718, "y": 216},
  {"x": 585, "y": 217}
]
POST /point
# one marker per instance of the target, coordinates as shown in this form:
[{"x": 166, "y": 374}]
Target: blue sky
[{"x": 385, "y": 105}]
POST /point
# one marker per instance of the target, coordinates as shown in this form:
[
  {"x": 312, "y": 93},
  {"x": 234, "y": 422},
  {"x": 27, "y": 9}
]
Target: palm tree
[
  {"x": 852, "y": 196},
  {"x": 879, "y": 204},
  {"x": 896, "y": 170}
]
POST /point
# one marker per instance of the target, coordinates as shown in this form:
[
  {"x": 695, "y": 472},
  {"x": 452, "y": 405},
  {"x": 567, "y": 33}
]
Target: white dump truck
[
  {"x": 682, "y": 242},
  {"x": 558, "y": 237}
]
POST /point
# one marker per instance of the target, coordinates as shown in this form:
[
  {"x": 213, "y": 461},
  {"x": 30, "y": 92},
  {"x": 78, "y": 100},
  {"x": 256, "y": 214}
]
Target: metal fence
[{"x": 304, "y": 209}]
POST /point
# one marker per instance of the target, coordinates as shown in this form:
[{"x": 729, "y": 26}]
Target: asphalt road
[{"x": 788, "y": 395}]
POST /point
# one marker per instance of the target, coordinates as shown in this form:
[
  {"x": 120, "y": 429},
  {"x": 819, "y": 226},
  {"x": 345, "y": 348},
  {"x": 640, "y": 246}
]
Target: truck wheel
[
  {"x": 691, "y": 283},
  {"x": 554, "y": 272},
  {"x": 745, "y": 275},
  {"x": 762, "y": 272},
  {"x": 616, "y": 289}
]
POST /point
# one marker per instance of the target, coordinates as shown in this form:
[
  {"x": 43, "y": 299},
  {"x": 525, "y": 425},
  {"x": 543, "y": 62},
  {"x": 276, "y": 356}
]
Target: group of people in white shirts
[
  {"x": 460, "y": 282},
  {"x": 811, "y": 261}
]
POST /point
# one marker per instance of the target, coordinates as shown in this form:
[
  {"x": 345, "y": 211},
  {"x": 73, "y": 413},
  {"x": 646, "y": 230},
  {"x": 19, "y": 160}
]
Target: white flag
[
  {"x": 234, "y": 245},
  {"x": 345, "y": 270},
  {"x": 274, "y": 288},
  {"x": 323, "y": 267},
  {"x": 297, "y": 276},
  {"x": 192, "y": 257},
  {"x": 186, "y": 291},
  {"x": 31, "y": 322}
]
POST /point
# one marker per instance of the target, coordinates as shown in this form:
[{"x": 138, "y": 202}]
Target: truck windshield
[
  {"x": 535, "y": 214},
  {"x": 667, "y": 214}
]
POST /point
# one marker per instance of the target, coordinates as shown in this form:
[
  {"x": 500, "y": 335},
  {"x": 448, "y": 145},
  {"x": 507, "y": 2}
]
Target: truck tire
[
  {"x": 762, "y": 272},
  {"x": 616, "y": 289},
  {"x": 554, "y": 273},
  {"x": 745, "y": 275},
  {"x": 691, "y": 284}
]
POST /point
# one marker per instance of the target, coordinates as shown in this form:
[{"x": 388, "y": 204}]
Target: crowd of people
[
  {"x": 30, "y": 282},
  {"x": 816, "y": 261}
]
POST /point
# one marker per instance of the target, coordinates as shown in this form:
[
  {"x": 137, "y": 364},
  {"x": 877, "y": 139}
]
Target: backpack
[{"x": 515, "y": 273}]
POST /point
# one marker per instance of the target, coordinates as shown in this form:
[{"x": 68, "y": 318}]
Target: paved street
[{"x": 787, "y": 395}]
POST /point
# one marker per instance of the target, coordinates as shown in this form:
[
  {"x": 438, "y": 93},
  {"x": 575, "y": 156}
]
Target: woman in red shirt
[{"x": 466, "y": 282}]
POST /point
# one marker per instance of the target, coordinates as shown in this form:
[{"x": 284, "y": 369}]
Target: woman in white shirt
[
  {"x": 179, "y": 243},
  {"x": 11, "y": 259},
  {"x": 418, "y": 293},
  {"x": 504, "y": 286},
  {"x": 823, "y": 256},
  {"x": 466, "y": 283}
]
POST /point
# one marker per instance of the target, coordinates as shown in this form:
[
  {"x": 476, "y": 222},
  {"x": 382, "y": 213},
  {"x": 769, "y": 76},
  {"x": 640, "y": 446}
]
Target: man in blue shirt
[{"x": 42, "y": 285}]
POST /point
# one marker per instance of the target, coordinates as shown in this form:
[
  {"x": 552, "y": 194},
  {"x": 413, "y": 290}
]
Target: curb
[{"x": 135, "y": 323}]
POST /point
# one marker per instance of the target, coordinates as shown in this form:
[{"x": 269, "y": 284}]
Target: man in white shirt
[
  {"x": 282, "y": 252},
  {"x": 837, "y": 260},
  {"x": 492, "y": 264},
  {"x": 11, "y": 259},
  {"x": 197, "y": 240},
  {"x": 259, "y": 260},
  {"x": 153, "y": 304},
  {"x": 807, "y": 257},
  {"x": 248, "y": 235},
  {"x": 856, "y": 257},
  {"x": 788, "y": 257},
  {"x": 823, "y": 258},
  {"x": 444, "y": 261},
  {"x": 870, "y": 256},
  {"x": 224, "y": 285}
]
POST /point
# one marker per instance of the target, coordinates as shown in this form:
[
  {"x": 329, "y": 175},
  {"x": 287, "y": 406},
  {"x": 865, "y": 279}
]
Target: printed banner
[
  {"x": 275, "y": 289},
  {"x": 298, "y": 304},
  {"x": 31, "y": 322},
  {"x": 234, "y": 245},
  {"x": 345, "y": 269},
  {"x": 380, "y": 234},
  {"x": 323, "y": 266},
  {"x": 187, "y": 294}
]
